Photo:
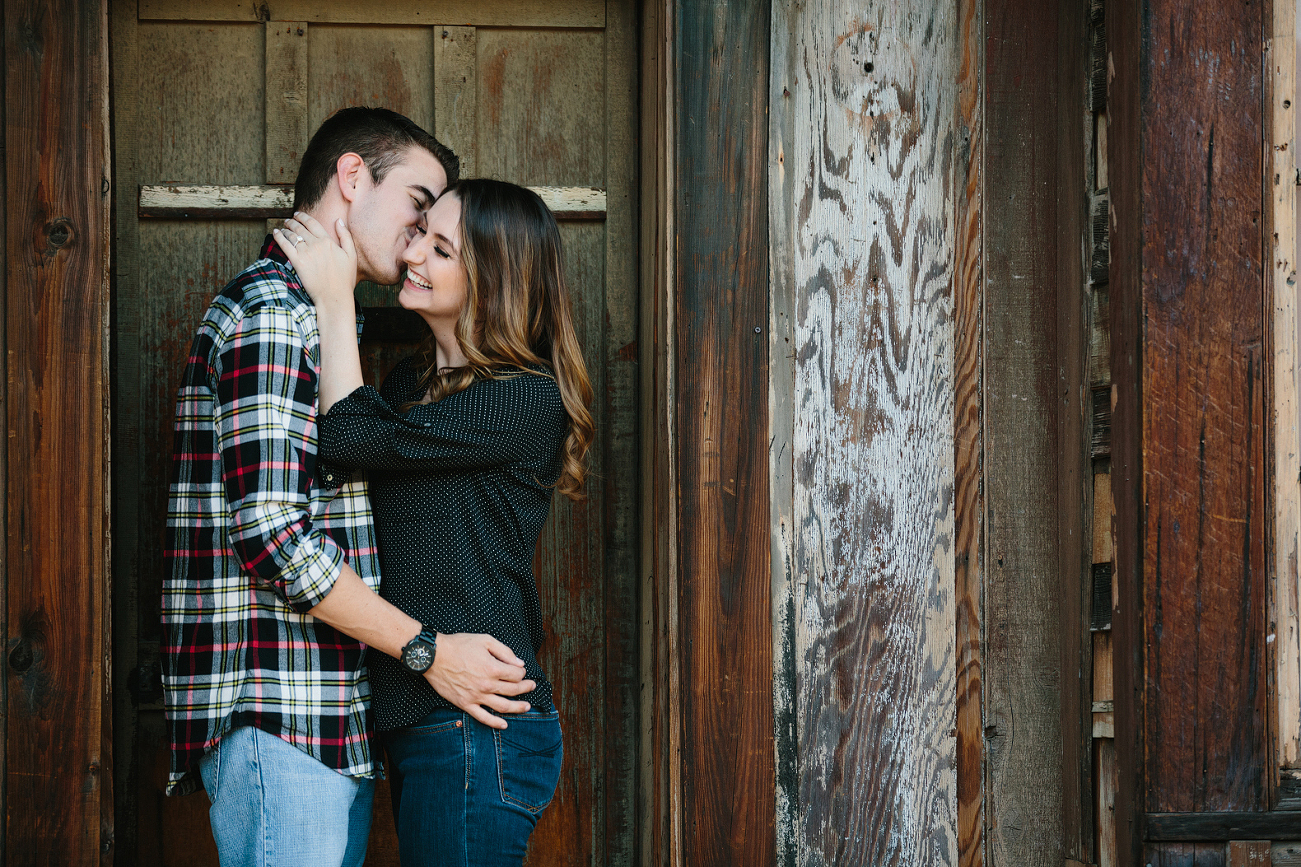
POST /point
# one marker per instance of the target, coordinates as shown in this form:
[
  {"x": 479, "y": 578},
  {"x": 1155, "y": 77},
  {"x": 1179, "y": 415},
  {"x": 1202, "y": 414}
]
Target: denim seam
[
  {"x": 262, "y": 798},
  {"x": 501, "y": 780}
]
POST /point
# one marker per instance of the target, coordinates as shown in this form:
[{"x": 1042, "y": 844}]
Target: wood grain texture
[
  {"x": 1024, "y": 611},
  {"x": 504, "y": 13},
  {"x": 1105, "y": 807},
  {"x": 1185, "y": 855},
  {"x": 194, "y": 126},
  {"x": 287, "y": 129},
  {"x": 660, "y": 736},
  {"x": 1249, "y": 853},
  {"x": 874, "y": 108},
  {"x": 368, "y": 65},
  {"x": 782, "y": 316},
  {"x": 242, "y": 202},
  {"x": 1124, "y": 282},
  {"x": 1223, "y": 826},
  {"x": 969, "y": 569},
  {"x": 541, "y": 107},
  {"x": 1074, "y": 488},
  {"x": 456, "y": 89},
  {"x": 1204, "y": 411},
  {"x": 1281, "y": 243},
  {"x": 721, "y": 280},
  {"x": 57, "y": 181}
]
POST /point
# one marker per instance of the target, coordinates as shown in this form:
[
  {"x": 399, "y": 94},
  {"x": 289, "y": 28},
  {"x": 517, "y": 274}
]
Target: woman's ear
[{"x": 349, "y": 173}]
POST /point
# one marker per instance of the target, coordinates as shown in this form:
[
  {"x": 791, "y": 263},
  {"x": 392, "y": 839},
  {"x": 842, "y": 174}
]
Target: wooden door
[{"x": 212, "y": 106}]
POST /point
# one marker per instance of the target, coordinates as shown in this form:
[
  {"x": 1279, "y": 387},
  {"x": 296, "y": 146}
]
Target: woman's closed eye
[{"x": 440, "y": 251}]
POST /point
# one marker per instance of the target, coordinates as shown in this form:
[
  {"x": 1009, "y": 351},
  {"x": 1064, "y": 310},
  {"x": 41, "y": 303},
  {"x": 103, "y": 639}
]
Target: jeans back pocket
[{"x": 529, "y": 754}]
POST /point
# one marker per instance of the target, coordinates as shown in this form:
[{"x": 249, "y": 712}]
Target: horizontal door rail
[
  {"x": 175, "y": 201},
  {"x": 518, "y": 13},
  {"x": 1221, "y": 827}
]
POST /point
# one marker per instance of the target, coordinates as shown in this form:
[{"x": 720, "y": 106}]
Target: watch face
[{"x": 416, "y": 656}]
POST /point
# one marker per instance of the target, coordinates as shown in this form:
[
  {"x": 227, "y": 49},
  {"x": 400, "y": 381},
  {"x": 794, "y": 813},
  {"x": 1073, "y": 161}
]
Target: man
[{"x": 269, "y": 598}]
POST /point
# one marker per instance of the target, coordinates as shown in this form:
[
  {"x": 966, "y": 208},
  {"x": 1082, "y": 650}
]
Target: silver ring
[{"x": 299, "y": 241}]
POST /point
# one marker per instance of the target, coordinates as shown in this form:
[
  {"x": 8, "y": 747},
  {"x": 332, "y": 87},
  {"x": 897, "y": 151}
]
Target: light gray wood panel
[
  {"x": 511, "y": 13},
  {"x": 287, "y": 130},
  {"x": 872, "y": 103},
  {"x": 456, "y": 90},
  {"x": 390, "y": 67},
  {"x": 541, "y": 112},
  {"x": 195, "y": 126}
]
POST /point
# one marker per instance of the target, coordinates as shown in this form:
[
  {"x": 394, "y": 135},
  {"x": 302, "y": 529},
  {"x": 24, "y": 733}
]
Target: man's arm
[{"x": 266, "y": 393}]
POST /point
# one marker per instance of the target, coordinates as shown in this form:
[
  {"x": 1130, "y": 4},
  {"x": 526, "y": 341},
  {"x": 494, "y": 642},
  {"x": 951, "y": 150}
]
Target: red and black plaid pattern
[{"x": 254, "y": 542}]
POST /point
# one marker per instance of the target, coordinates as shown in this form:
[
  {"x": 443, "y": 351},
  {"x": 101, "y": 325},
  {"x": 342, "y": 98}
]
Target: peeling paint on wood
[{"x": 873, "y": 105}]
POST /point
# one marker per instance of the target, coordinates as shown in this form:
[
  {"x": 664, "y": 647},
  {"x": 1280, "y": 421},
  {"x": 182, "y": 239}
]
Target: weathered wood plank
[
  {"x": 1105, "y": 804},
  {"x": 1286, "y": 854},
  {"x": 1281, "y": 240},
  {"x": 177, "y": 201},
  {"x": 721, "y": 279},
  {"x": 196, "y": 126},
  {"x": 874, "y": 107},
  {"x": 1204, "y": 411},
  {"x": 506, "y": 13},
  {"x": 541, "y": 107},
  {"x": 456, "y": 87},
  {"x": 1249, "y": 853},
  {"x": 1124, "y": 285},
  {"x": 622, "y": 443},
  {"x": 968, "y": 372},
  {"x": 388, "y": 66},
  {"x": 1024, "y": 612},
  {"x": 57, "y": 180},
  {"x": 1075, "y": 478},
  {"x": 1207, "y": 827},
  {"x": 287, "y": 129},
  {"x": 660, "y": 825}
]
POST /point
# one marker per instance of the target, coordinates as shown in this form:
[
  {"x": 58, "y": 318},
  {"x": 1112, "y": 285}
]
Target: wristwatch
[{"x": 418, "y": 655}]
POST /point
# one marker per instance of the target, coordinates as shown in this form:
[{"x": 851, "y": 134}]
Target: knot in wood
[
  {"x": 57, "y": 233},
  {"x": 21, "y": 657}
]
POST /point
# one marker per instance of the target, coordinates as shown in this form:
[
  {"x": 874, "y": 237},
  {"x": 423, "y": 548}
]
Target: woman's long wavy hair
[{"x": 517, "y": 312}]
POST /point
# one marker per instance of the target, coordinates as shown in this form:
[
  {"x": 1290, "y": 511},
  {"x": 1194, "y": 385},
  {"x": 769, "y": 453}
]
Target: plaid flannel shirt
[{"x": 254, "y": 543}]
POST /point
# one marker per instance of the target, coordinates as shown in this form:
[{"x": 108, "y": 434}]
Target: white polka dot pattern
[{"x": 460, "y": 490}]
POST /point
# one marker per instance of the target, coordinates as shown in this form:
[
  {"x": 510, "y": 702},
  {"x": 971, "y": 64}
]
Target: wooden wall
[
  {"x": 720, "y": 297},
  {"x": 1190, "y": 360},
  {"x": 57, "y": 765},
  {"x": 864, "y": 156}
]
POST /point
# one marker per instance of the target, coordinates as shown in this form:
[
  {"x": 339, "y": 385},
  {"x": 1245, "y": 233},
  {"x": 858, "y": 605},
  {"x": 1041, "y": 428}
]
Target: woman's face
[{"x": 435, "y": 283}]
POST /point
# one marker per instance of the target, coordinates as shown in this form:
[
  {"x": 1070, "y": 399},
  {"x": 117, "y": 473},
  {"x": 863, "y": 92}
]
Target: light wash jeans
[{"x": 273, "y": 805}]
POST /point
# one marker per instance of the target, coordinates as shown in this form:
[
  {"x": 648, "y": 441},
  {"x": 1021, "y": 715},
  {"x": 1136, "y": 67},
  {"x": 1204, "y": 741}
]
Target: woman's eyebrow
[{"x": 439, "y": 236}]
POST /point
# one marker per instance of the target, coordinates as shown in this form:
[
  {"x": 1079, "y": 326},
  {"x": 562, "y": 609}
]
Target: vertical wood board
[
  {"x": 1204, "y": 410},
  {"x": 389, "y": 67},
  {"x": 287, "y": 130},
  {"x": 968, "y": 437},
  {"x": 721, "y": 282},
  {"x": 1281, "y": 244},
  {"x": 57, "y": 180},
  {"x": 873, "y": 106},
  {"x": 456, "y": 89},
  {"x": 1023, "y": 413}
]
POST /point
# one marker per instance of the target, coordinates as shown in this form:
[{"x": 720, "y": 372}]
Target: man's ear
[{"x": 349, "y": 172}]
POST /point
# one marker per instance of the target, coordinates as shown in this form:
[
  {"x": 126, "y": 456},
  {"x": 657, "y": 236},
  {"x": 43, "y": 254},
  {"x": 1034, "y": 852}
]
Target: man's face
[{"x": 385, "y": 216}]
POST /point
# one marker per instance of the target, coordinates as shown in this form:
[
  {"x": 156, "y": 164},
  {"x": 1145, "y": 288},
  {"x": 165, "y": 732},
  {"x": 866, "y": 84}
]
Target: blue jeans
[
  {"x": 273, "y": 804},
  {"x": 465, "y": 795}
]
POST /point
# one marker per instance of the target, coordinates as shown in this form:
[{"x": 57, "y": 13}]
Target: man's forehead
[{"x": 419, "y": 168}]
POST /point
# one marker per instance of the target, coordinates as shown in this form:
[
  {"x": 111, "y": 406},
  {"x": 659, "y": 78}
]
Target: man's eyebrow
[{"x": 427, "y": 197}]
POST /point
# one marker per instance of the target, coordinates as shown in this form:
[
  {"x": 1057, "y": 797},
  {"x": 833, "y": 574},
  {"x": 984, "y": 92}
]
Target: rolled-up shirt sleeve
[
  {"x": 494, "y": 423},
  {"x": 266, "y": 434}
]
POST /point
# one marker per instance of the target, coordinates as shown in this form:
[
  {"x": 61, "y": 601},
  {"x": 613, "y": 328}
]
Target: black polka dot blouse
[{"x": 460, "y": 490}]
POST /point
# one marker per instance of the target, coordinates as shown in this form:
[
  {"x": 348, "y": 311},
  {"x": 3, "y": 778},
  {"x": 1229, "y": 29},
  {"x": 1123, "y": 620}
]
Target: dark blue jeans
[{"x": 465, "y": 795}]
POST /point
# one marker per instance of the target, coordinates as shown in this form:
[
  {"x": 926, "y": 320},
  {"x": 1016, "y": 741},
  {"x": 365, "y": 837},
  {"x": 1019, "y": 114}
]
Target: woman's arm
[{"x": 328, "y": 272}]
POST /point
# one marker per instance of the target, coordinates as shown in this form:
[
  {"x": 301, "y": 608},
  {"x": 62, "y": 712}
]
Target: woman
[{"x": 465, "y": 442}]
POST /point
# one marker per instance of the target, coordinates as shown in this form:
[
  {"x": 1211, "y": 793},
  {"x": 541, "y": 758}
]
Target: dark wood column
[
  {"x": 721, "y": 320},
  {"x": 58, "y": 803},
  {"x": 1190, "y": 437}
]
